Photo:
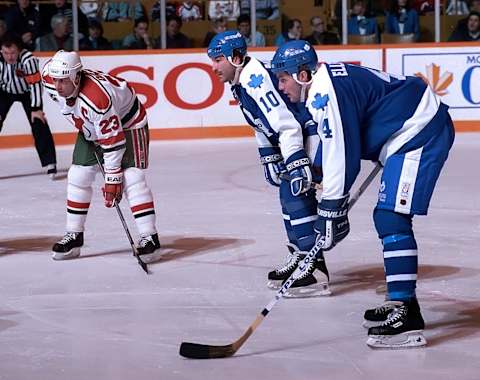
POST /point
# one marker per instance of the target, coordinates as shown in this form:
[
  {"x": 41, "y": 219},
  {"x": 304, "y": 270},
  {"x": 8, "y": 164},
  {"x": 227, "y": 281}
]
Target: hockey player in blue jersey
[
  {"x": 280, "y": 128},
  {"x": 399, "y": 121}
]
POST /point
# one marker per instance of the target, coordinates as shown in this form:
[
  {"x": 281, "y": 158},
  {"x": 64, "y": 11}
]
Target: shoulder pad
[{"x": 94, "y": 94}]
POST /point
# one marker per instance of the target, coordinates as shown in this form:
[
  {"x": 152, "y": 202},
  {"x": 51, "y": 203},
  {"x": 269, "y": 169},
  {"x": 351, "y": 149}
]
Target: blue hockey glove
[
  {"x": 298, "y": 167},
  {"x": 273, "y": 165},
  {"x": 332, "y": 224}
]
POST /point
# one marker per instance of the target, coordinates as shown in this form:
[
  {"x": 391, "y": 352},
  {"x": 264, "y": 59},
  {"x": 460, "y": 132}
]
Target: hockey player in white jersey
[
  {"x": 111, "y": 121},
  {"x": 368, "y": 114},
  {"x": 285, "y": 134}
]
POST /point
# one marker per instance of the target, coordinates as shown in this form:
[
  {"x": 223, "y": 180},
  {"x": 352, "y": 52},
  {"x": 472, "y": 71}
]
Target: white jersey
[
  {"x": 103, "y": 109},
  {"x": 269, "y": 112}
]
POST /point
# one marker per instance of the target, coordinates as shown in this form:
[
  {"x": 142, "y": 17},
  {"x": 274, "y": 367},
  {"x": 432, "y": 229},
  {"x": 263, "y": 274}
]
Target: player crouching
[{"x": 113, "y": 123}]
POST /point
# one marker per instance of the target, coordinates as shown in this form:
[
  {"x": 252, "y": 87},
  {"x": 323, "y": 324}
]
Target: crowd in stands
[{"x": 53, "y": 31}]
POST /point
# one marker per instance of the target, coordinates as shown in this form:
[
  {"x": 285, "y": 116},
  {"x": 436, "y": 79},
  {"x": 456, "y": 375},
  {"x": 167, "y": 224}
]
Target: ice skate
[
  {"x": 376, "y": 316},
  {"x": 52, "y": 171},
  {"x": 277, "y": 276},
  {"x": 68, "y": 247},
  {"x": 148, "y": 248},
  {"x": 312, "y": 283},
  {"x": 402, "y": 329}
]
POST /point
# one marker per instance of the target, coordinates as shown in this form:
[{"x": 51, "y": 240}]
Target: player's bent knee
[
  {"x": 389, "y": 222},
  {"x": 81, "y": 176},
  {"x": 135, "y": 183}
]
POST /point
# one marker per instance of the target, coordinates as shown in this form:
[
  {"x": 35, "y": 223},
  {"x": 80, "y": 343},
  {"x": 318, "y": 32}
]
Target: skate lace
[
  {"x": 309, "y": 271},
  {"x": 70, "y": 236},
  {"x": 397, "y": 314},
  {"x": 291, "y": 260},
  {"x": 387, "y": 306}
]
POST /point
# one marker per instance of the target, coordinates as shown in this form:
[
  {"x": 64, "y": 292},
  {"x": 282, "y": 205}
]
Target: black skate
[
  {"x": 403, "y": 328},
  {"x": 52, "y": 171},
  {"x": 312, "y": 283},
  {"x": 376, "y": 316},
  {"x": 277, "y": 276},
  {"x": 148, "y": 245},
  {"x": 68, "y": 247}
]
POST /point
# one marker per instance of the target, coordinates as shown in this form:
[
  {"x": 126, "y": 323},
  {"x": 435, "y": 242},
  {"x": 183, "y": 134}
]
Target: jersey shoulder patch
[
  {"x": 94, "y": 94},
  {"x": 255, "y": 79}
]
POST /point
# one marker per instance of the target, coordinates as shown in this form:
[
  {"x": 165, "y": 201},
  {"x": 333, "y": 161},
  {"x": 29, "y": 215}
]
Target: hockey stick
[
  {"x": 205, "y": 351},
  {"x": 124, "y": 223},
  {"x": 314, "y": 185}
]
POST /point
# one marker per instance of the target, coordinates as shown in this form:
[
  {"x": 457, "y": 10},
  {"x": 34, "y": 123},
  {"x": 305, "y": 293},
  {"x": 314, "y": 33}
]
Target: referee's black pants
[{"x": 40, "y": 131}]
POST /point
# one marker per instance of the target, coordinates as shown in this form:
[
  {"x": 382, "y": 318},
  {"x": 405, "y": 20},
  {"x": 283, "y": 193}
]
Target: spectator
[
  {"x": 139, "y": 38},
  {"x": 61, "y": 7},
  {"x": 123, "y": 11},
  {"x": 59, "y": 38},
  {"x": 170, "y": 10},
  {"x": 245, "y": 28},
  {"x": 457, "y": 8},
  {"x": 319, "y": 35},
  {"x": 471, "y": 32},
  {"x": 402, "y": 19},
  {"x": 95, "y": 39},
  {"x": 24, "y": 20},
  {"x": 294, "y": 32},
  {"x": 3, "y": 28},
  {"x": 175, "y": 38},
  {"x": 90, "y": 9},
  {"x": 265, "y": 9},
  {"x": 190, "y": 11},
  {"x": 359, "y": 24},
  {"x": 462, "y": 24},
  {"x": 218, "y": 26},
  {"x": 423, "y": 7},
  {"x": 228, "y": 9}
]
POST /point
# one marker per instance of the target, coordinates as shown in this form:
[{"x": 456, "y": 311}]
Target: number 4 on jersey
[{"x": 327, "y": 132}]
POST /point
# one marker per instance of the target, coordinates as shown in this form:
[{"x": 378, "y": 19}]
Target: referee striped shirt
[{"x": 22, "y": 77}]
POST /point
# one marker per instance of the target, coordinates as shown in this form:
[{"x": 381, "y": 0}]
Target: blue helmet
[
  {"x": 226, "y": 43},
  {"x": 292, "y": 55}
]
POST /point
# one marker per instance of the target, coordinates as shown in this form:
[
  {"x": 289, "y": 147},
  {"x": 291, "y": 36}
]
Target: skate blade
[
  {"x": 72, "y": 254},
  {"x": 153, "y": 257},
  {"x": 411, "y": 339},
  {"x": 274, "y": 284},
  {"x": 317, "y": 290}
]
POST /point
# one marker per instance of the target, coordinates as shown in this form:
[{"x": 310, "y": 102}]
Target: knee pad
[
  {"x": 135, "y": 185},
  {"x": 81, "y": 176},
  {"x": 394, "y": 228}
]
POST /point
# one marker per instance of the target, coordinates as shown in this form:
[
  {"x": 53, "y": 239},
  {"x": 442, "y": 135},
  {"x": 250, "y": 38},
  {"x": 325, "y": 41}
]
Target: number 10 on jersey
[{"x": 272, "y": 100}]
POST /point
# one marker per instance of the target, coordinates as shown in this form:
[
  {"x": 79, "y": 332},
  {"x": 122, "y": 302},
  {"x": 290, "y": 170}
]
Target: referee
[{"x": 20, "y": 81}]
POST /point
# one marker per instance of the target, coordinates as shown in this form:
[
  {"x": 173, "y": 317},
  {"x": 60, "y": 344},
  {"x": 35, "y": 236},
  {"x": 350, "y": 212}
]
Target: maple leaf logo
[
  {"x": 255, "y": 81},
  {"x": 438, "y": 83},
  {"x": 320, "y": 101}
]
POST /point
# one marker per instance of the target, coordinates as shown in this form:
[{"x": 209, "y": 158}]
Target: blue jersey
[
  {"x": 363, "y": 113},
  {"x": 277, "y": 122}
]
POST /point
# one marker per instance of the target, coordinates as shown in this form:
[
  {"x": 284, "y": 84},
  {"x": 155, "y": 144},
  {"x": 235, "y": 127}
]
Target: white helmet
[{"x": 65, "y": 64}]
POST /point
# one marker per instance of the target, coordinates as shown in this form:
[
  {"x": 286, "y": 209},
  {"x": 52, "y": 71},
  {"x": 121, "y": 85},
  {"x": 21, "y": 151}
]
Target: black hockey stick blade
[
  {"x": 143, "y": 265},
  {"x": 205, "y": 351}
]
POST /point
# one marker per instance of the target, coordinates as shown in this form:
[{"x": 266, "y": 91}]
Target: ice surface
[{"x": 101, "y": 317}]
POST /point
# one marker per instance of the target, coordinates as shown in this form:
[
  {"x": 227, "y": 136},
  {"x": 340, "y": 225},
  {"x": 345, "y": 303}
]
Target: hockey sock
[
  {"x": 140, "y": 198},
  {"x": 301, "y": 213},
  {"x": 399, "y": 253},
  {"x": 79, "y": 196}
]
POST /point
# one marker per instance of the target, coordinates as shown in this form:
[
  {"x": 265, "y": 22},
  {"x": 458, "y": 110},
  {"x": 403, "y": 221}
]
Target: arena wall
[{"x": 185, "y": 100}]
